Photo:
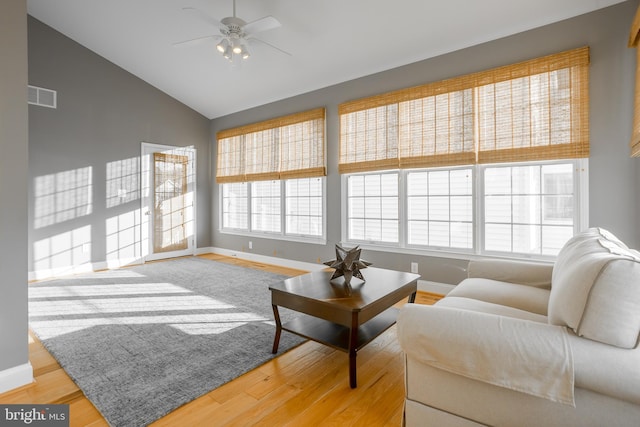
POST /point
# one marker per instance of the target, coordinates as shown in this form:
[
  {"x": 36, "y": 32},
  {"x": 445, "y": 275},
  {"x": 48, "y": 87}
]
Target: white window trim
[{"x": 581, "y": 203}]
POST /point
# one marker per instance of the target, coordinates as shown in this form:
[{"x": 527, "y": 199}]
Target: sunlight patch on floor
[
  {"x": 209, "y": 323},
  {"x": 104, "y": 290},
  {"x": 59, "y": 310}
]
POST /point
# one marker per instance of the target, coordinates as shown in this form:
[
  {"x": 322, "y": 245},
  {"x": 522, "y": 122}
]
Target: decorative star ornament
[{"x": 347, "y": 264}]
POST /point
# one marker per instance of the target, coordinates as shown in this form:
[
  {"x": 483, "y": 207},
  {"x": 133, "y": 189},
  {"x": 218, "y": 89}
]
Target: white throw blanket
[{"x": 521, "y": 355}]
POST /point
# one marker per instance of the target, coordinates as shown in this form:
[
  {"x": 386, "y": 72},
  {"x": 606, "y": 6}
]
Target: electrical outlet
[
  {"x": 250, "y": 244},
  {"x": 414, "y": 267}
]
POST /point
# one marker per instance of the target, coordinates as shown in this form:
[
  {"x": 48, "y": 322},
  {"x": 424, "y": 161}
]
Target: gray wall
[
  {"x": 613, "y": 176},
  {"x": 103, "y": 115},
  {"x": 13, "y": 184}
]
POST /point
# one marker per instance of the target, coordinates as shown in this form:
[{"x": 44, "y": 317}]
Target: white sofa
[{"x": 525, "y": 344}]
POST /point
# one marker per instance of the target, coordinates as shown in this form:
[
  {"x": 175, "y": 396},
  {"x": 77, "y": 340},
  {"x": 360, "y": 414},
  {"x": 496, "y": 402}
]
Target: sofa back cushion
[{"x": 595, "y": 289}]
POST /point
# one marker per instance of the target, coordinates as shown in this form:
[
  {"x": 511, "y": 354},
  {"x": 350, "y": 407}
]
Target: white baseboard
[
  {"x": 51, "y": 273},
  {"x": 423, "y": 285},
  {"x": 16, "y": 377},
  {"x": 299, "y": 265},
  {"x": 435, "y": 287},
  {"x": 61, "y": 271},
  {"x": 202, "y": 251},
  {"x": 118, "y": 263}
]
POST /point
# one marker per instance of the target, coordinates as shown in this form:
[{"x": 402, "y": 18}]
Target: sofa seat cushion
[
  {"x": 595, "y": 289},
  {"x": 490, "y": 308},
  {"x": 522, "y": 297}
]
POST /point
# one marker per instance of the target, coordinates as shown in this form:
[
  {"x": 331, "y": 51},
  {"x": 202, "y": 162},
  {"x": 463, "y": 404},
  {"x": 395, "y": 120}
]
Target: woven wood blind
[
  {"x": 634, "y": 39},
  {"x": 369, "y": 139},
  {"x": 533, "y": 110},
  {"x": 282, "y": 148}
]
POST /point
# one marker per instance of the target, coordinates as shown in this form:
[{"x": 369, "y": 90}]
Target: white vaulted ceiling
[{"x": 331, "y": 41}]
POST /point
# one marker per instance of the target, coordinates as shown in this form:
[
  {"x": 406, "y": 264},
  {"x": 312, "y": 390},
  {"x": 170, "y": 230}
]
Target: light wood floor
[{"x": 305, "y": 386}]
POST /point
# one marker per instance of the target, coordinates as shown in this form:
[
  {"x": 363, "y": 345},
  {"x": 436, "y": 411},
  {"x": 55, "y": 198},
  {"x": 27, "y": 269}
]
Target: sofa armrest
[
  {"x": 512, "y": 271},
  {"x": 517, "y": 354}
]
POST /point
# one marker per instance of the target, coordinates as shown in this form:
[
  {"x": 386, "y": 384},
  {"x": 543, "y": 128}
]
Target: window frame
[
  {"x": 580, "y": 202},
  {"x": 346, "y": 200},
  {"x": 282, "y": 235},
  {"x": 406, "y": 207}
]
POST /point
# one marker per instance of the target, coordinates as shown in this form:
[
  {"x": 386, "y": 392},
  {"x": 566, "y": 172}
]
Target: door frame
[{"x": 146, "y": 200}]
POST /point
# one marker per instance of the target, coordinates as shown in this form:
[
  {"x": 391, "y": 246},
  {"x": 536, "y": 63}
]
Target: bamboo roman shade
[
  {"x": 281, "y": 148},
  {"x": 634, "y": 39},
  {"x": 533, "y": 110}
]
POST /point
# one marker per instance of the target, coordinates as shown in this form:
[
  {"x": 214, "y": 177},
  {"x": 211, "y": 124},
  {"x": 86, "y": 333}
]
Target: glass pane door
[{"x": 169, "y": 216}]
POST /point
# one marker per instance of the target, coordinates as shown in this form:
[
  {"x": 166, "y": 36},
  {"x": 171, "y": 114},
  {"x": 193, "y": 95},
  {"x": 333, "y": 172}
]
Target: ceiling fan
[{"x": 235, "y": 33}]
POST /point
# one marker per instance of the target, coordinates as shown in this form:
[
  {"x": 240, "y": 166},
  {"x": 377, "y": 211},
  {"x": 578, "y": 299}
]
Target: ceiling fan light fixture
[
  {"x": 228, "y": 53},
  {"x": 222, "y": 46},
  {"x": 244, "y": 52},
  {"x": 237, "y": 47}
]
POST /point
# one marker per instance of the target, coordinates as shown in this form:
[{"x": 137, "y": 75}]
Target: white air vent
[{"x": 42, "y": 97}]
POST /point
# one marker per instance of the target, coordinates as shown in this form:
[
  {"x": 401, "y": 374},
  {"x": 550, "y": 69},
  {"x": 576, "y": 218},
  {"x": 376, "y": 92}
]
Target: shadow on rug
[{"x": 142, "y": 341}]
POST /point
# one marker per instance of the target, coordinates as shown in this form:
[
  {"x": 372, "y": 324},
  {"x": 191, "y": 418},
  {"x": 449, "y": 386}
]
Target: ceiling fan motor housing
[{"x": 234, "y": 27}]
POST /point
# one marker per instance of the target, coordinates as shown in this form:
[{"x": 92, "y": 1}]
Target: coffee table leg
[
  {"x": 276, "y": 340},
  {"x": 412, "y": 298},
  {"x": 353, "y": 345}
]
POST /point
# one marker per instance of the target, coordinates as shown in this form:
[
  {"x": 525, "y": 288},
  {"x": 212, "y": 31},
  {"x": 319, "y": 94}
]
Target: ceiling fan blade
[
  {"x": 269, "y": 44},
  {"x": 195, "y": 41},
  {"x": 262, "y": 24},
  {"x": 203, "y": 17}
]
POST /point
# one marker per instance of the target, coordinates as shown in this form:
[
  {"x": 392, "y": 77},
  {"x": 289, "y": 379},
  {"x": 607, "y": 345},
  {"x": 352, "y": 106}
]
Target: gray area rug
[{"x": 142, "y": 341}]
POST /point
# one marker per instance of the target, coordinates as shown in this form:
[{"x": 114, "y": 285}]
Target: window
[
  {"x": 372, "y": 202},
  {"x": 487, "y": 162},
  {"x": 304, "y": 207},
  {"x": 528, "y": 209},
  {"x": 440, "y": 208},
  {"x": 438, "y": 211},
  {"x": 519, "y": 209},
  {"x": 289, "y": 209},
  {"x": 265, "y": 206},
  {"x": 235, "y": 206},
  {"x": 271, "y": 176}
]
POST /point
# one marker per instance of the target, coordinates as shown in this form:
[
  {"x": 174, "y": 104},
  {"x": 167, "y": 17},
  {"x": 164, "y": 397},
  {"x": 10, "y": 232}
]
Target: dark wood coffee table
[{"x": 343, "y": 318}]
